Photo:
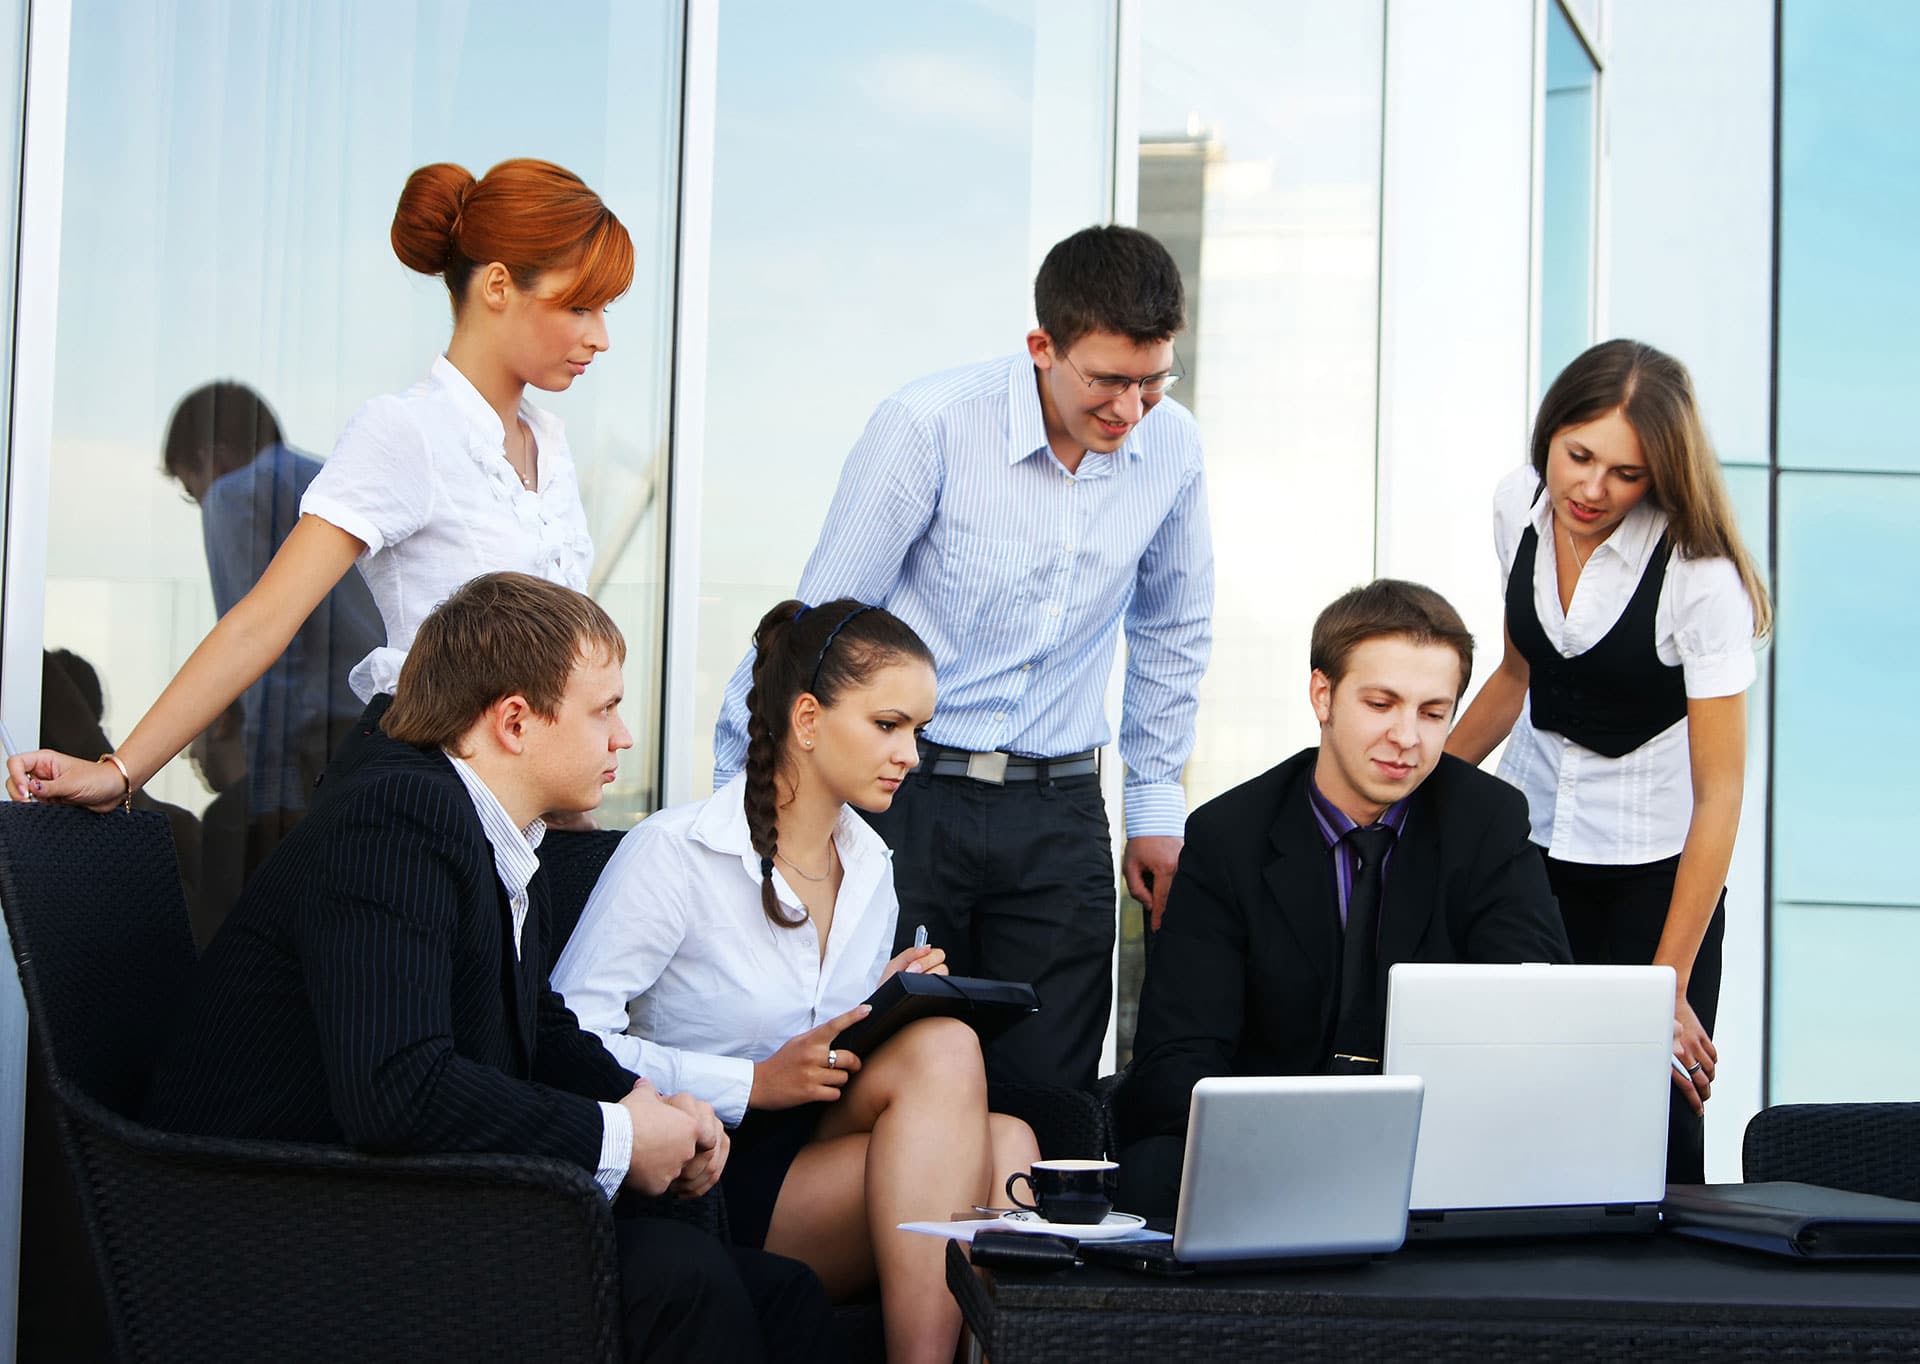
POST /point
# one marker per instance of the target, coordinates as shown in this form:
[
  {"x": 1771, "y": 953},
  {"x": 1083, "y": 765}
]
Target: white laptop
[
  {"x": 1288, "y": 1169},
  {"x": 1546, "y": 1095}
]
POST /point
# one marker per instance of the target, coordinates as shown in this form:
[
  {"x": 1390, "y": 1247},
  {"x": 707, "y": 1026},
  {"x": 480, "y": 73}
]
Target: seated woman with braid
[{"x": 730, "y": 940}]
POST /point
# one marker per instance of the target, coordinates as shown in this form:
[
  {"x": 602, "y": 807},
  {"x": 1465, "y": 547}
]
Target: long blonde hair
[{"x": 1654, "y": 392}]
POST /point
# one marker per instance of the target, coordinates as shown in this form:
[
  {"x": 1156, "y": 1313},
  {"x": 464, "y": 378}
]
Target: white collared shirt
[
  {"x": 516, "y": 851},
  {"x": 677, "y": 968},
  {"x": 1635, "y": 808},
  {"x": 422, "y": 479},
  {"x": 516, "y": 858}
]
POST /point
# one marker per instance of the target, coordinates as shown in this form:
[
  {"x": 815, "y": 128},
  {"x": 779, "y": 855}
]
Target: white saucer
[{"x": 1115, "y": 1224}]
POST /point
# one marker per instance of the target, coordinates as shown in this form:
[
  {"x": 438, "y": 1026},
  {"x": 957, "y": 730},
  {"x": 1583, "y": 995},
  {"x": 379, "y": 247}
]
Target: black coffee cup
[{"x": 1074, "y": 1191}]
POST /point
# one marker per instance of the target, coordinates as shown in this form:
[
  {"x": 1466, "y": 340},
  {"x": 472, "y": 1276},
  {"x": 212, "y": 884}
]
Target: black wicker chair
[
  {"x": 1866, "y": 1148},
  {"x": 246, "y": 1250}
]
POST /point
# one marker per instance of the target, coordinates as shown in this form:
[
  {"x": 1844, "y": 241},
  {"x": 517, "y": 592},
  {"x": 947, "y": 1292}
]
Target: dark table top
[{"x": 1661, "y": 1275}]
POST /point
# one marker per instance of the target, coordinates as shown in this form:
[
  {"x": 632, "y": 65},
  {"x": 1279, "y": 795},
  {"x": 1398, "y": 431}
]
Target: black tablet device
[{"x": 990, "y": 1007}]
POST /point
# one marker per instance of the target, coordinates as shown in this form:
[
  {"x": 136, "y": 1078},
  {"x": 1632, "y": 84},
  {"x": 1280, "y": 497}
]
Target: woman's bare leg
[
  {"x": 921, "y": 1103},
  {"x": 820, "y": 1217},
  {"x": 1014, "y": 1148}
]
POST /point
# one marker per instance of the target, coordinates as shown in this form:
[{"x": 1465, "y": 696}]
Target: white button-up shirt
[
  {"x": 1635, "y": 808},
  {"x": 677, "y": 968},
  {"x": 421, "y": 478},
  {"x": 516, "y": 857}
]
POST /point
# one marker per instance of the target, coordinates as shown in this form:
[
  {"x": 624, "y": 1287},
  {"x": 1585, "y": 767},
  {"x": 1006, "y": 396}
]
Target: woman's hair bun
[{"x": 428, "y": 216}]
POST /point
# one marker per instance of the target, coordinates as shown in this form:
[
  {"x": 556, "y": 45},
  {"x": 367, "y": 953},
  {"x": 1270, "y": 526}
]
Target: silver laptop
[
  {"x": 1285, "y": 1169},
  {"x": 1546, "y": 1102}
]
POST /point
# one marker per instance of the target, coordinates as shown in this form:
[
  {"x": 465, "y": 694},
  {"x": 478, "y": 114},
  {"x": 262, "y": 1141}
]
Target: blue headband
[{"x": 813, "y": 683}]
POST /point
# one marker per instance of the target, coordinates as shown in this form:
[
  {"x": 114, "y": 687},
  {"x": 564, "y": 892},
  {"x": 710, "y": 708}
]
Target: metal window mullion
[{"x": 686, "y": 443}]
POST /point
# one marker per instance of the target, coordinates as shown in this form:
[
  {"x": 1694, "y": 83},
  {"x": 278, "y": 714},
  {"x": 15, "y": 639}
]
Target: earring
[{"x": 806, "y": 743}]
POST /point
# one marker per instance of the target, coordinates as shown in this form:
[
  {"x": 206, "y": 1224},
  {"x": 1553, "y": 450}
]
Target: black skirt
[{"x": 764, "y": 1145}]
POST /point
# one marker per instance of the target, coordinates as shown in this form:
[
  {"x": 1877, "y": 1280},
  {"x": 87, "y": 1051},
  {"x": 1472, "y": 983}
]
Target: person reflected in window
[
  {"x": 1019, "y": 514},
  {"x": 1632, "y": 608},
  {"x": 224, "y": 447},
  {"x": 219, "y": 757},
  {"x": 730, "y": 940},
  {"x": 1300, "y": 889},
  {"x": 458, "y": 476}
]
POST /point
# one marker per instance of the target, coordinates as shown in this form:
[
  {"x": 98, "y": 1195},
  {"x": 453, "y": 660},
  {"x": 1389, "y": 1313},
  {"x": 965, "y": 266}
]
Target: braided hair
[{"x": 799, "y": 649}]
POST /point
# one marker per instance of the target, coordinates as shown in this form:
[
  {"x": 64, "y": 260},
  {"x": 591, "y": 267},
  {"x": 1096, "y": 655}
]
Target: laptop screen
[
  {"x": 1545, "y": 1085},
  {"x": 1296, "y": 1165}
]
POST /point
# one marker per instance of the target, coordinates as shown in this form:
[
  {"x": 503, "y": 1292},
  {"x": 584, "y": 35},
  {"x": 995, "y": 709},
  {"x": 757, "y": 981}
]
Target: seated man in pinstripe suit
[{"x": 383, "y": 981}]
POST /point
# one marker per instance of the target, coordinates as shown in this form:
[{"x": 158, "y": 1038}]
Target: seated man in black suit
[
  {"x": 1299, "y": 889},
  {"x": 383, "y": 981}
]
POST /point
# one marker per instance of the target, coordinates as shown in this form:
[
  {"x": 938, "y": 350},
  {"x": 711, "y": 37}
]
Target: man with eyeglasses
[{"x": 1017, "y": 513}]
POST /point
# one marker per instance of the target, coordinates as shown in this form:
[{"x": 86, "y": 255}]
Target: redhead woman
[
  {"x": 455, "y": 477},
  {"x": 729, "y": 941},
  {"x": 1632, "y": 611}
]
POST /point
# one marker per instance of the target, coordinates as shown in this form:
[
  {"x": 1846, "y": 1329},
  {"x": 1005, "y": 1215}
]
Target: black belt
[{"x": 997, "y": 769}]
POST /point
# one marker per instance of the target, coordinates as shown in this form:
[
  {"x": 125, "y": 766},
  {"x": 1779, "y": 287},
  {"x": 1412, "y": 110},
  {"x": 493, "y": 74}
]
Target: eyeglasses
[{"x": 1113, "y": 385}]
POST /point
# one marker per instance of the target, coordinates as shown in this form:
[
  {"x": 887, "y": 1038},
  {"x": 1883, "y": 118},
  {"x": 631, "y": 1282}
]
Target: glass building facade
[
  {"x": 1846, "y": 902},
  {"x": 1395, "y": 221}
]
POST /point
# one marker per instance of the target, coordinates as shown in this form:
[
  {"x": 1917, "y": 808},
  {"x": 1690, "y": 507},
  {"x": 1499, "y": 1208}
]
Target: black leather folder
[
  {"x": 990, "y": 1007},
  {"x": 1803, "y": 1221}
]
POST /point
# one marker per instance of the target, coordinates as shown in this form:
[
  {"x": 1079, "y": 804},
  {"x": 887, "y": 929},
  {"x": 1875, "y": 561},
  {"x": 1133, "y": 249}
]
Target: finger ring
[
  {"x": 1692, "y": 1068},
  {"x": 833, "y": 1059}
]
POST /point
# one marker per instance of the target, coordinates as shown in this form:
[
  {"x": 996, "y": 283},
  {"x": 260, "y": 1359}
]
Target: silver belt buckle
[{"x": 990, "y": 768}]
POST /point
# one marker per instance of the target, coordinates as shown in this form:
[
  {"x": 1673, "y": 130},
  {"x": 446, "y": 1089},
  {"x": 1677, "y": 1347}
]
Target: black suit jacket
[
  {"x": 1245, "y": 972},
  {"x": 365, "y": 990}
]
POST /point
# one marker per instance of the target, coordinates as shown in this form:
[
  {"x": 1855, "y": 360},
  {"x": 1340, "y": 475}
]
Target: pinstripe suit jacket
[{"x": 365, "y": 990}]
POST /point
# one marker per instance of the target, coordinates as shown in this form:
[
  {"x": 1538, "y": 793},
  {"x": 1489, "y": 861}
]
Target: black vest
[{"x": 1616, "y": 695}]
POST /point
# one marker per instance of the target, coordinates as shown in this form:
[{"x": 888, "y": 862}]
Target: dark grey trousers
[{"x": 1016, "y": 883}]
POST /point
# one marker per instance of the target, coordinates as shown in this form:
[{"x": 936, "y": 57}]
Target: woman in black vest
[{"x": 1632, "y": 610}]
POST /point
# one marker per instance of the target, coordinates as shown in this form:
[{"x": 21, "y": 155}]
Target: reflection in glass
[
  {"x": 1848, "y": 660},
  {"x": 1566, "y": 229},
  {"x": 883, "y": 193},
  {"x": 256, "y": 153},
  {"x": 1849, "y": 197},
  {"x": 1846, "y": 911},
  {"x": 1260, "y": 132},
  {"x": 224, "y": 446},
  {"x": 1843, "y": 1009},
  {"x": 13, "y": 94}
]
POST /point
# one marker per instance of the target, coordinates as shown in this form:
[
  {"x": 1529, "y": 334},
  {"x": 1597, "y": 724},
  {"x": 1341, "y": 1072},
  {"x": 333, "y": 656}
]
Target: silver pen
[{"x": 919, "y": 937}]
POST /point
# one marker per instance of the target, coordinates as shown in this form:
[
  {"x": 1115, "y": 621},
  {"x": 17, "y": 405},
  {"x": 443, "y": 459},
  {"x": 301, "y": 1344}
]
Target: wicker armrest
[
  {"x": 1867, "y": 1148},
  {"x": 1067, "y": 1123},
  {"x": 246, "y": 1249}
]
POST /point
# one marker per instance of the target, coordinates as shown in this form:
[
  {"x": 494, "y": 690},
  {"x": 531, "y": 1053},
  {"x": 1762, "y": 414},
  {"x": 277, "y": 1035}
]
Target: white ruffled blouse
[{"x": 422, "y": 479}]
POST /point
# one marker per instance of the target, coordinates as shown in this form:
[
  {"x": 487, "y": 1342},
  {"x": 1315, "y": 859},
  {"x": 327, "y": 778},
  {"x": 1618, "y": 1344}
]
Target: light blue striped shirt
[{"x": 953, "y": 513}]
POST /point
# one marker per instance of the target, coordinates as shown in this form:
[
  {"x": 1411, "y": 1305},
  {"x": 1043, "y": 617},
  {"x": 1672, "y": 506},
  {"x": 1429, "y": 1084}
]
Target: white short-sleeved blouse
[
  {"x": 1632, "y": 809},
  {"x": 678, "y": 970},
  {"x": 422, "y": 479}
]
